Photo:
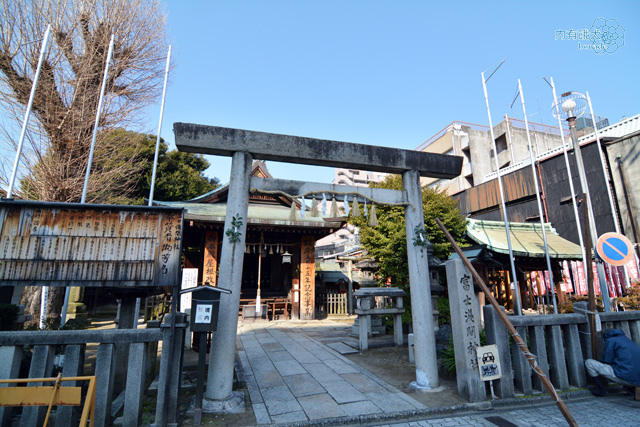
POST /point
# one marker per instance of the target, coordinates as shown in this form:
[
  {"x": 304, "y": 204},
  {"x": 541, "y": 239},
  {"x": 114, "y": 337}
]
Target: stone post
[
  {"x": 10, "y": 357},
  {"x": 126, "y": 320},
  {"x": 497, "y": 334},
  {"x": 421, "y": 309},
  {"x": 223, "y": 347},
  {"x": 465, "y": 324}
]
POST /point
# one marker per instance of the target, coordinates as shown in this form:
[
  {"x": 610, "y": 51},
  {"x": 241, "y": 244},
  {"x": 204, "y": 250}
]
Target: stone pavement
[
  {"x": 295, "y": 376},
  {"x": 292, "y": 378},
  {"x": 613, "y": 411}
]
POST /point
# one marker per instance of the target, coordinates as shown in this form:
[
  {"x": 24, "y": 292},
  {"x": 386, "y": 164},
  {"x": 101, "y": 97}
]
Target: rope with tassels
[
  {"x": 318, "y": 193},
  {"x": 355, "y": 210}
]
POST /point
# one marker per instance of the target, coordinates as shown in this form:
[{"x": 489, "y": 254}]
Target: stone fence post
[
  {"x": 497, "y": 333},
  {"x": 465, "y": 324}
]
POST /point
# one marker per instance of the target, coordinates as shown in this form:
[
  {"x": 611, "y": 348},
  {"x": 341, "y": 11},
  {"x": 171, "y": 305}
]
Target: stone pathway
[
  {"x": 615, "y": 411},
  {"x": 292, "y": 377}
]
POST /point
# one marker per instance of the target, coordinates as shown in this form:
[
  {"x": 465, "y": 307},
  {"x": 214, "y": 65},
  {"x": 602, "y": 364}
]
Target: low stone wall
[
  {"x": 560, "y": 342},
  {"x": 143, "y": 346}
]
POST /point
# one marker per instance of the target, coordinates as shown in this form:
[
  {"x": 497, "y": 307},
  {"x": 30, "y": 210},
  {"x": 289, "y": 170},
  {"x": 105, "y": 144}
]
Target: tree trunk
[{"x": 31, "y": 301}]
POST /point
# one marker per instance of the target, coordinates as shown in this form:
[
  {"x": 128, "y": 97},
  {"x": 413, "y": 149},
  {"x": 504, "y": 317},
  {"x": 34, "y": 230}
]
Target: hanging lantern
[{"x": 286, "y": 258}]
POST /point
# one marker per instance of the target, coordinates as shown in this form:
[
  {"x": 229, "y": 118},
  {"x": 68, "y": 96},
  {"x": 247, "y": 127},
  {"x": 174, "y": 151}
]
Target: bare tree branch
[{"x": 54, "y": 159}]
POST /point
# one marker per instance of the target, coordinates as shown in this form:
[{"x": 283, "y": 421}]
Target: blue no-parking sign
[{"x": 614, "y": 248}]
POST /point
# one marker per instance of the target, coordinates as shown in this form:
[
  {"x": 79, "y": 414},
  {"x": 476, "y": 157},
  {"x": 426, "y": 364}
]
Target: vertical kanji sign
[
  {"x": 307, "y": 277},
  {"x": 210, "y": 266}
]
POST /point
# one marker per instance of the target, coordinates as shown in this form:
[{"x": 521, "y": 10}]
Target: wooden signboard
[
  {"x": 210, "y": 266},
  {"x": 65, "y": 244},
  {"x": 307, "y": 278}
]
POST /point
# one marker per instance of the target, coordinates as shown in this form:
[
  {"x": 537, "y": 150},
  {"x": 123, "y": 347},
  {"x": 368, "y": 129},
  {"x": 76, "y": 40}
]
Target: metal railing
[
  {"x": 447, "y": 129},
  {"x": 538, "y": 127}
]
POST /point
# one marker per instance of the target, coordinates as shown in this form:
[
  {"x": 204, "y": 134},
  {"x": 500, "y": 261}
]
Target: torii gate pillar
[
  {"x": 419, "y": 280},
  {"x": 221, "y": 360}
]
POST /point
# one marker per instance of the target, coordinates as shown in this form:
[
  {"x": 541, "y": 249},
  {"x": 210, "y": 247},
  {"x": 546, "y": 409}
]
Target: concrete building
[
  {"x": 346, "y": 240},
  {"x": 473, "y": 143},
  {"x": 356, "y": 177},
  {"x": 619, "y": 149}
]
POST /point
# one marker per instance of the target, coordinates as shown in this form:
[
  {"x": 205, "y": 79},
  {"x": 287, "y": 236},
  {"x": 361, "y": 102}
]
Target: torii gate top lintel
[{"x": 222, "y": 141}]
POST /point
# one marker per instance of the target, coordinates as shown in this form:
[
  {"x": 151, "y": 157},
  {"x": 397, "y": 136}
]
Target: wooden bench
[
  {"x": 281, "y": 306},
  {"x": 274, "y": 306}
]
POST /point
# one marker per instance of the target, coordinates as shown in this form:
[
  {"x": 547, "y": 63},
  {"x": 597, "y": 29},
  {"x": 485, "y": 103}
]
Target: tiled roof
[{"x": 526, "y": 239}]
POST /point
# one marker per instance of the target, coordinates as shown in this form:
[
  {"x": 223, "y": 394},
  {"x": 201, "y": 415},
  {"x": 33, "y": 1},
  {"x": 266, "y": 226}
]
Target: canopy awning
[{"x": 526, "y": 239}]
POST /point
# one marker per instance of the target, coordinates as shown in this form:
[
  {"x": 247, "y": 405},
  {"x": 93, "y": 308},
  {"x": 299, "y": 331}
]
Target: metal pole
[
  {"x": 27, "y": 113},
  {"x": 535, "y": 180},
  {"x": 202, "y": 354},
  {"x": 95, "y": 126},
  {"x": 592, "y": 222},
  {"x": 155, "y": 157},
  {"x": 504, "y": 207},
  {"x": 614, "y": 212},
  {"x": 570, "y": 179},
  {"x": 88, "y": 172},
  {"x": 590, "y": 288}
]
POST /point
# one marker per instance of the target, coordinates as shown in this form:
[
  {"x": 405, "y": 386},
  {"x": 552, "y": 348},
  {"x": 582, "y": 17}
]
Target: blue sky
[{"x": 389, "y": 73}]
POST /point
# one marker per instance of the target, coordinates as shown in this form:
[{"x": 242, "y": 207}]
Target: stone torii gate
[{"x": 243, "y": 146}]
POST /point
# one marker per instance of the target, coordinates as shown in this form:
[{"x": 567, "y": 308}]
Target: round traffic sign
[{"x": 615, "y": 249}]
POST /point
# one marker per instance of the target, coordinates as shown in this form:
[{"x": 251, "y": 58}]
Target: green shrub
[
  {"x": 449, "y": 355},
  {"x": 444, "y": 311}
]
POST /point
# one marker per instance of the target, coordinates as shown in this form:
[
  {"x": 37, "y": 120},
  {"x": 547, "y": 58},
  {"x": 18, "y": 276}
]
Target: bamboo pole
[{"x": 512, "y": 330}]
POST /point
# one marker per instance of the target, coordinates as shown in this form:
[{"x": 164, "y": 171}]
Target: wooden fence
[{"x": 331, "y": 304}]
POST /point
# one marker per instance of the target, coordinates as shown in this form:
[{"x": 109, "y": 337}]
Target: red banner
[{"x": 566, "y": 277}]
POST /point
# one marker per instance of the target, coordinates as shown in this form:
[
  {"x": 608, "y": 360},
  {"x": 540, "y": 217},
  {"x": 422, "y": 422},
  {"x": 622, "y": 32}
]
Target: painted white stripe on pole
[
  {"x": 95, "y": 126},
  {"x": 502, "y": 202},
  {"x": 27, "y": 113},
  {"x": 535, "y": 180},
  {"x": 155, "y": 158},
  {"x": 44, "y": 302}
]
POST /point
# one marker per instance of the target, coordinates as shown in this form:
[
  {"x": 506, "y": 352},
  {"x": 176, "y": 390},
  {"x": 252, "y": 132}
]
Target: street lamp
[{"x": 573, "y": 105}]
